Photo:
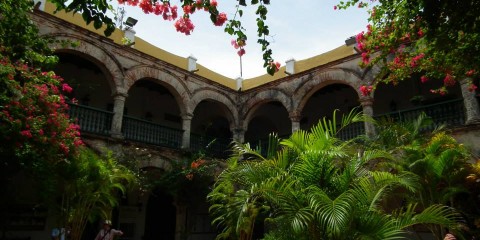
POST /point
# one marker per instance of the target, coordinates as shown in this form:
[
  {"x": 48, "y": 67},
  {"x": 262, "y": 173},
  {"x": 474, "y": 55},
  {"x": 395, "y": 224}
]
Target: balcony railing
[
  {"x": 91, "y": 120},
  {"x": 351, "y": 131},
  {"x": 218, "y": 147},
  {"x": 97, "y": 121},
  {"x": 449, "y": 113},
  {"x": 152, "y": 133}
]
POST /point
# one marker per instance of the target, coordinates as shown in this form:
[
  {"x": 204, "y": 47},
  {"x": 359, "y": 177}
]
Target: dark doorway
[{"x": 160, "y": 217}]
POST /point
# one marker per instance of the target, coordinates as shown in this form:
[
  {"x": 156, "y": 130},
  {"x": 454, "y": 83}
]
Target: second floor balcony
[{"x": 98, "y": 122}]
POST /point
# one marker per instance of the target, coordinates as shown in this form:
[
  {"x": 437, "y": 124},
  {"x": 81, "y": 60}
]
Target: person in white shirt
[{"x": 107, "y": 232}]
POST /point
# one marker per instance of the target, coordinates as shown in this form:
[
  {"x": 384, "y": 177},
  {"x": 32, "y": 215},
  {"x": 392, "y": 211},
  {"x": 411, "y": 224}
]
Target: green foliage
[
  {"x": 89, "y": 186},
  {"x": 438, "y": 39},
  {"x": 37, "y": 136},
  {"x": 95, "y": 11},
  {"x": 437, "y": 159},
  {"x": 19, "y": 39},
  {"x": 318, "y": 187}
]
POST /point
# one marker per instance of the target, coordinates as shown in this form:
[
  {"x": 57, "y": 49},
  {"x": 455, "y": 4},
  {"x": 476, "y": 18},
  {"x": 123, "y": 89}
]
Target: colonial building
[{"x": 139, "y": 96}]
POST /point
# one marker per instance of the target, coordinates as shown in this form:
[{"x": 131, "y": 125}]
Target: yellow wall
[
  {"x": 301, "y": 66},
  {"x": 181, "y": 62}
]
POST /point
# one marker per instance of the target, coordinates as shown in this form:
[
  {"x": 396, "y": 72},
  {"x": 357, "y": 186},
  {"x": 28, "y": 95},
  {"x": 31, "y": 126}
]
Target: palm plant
[
  {"x": 91, "y": 185},
  {"x": 437, "y": 159},
  {"x": 317, "y": 187}
]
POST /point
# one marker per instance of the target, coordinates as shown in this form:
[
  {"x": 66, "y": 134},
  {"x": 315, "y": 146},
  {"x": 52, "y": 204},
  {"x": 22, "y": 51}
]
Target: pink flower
[
  {"x": 187, "y": 9},
  {"x": 365, "y": 58},
  {"x": 241, "y": 52},
  {"x": 66, "y": 88},
  {"x": 423, "y": 79},
  {"x": 472, "y": 87},
  {"x": 184, "y": 25},
  {"x": 275, "y": 65},
  {"x": 64, "y": 148},
  {"x": 234, "y": 44},
  {"x": 448, "y": 81},
  {"x": 26, "y": 133},
  {"x": 366, "y": 90},
  {"x": 221, "y": 19},
  {"x": 359, "y": 37},
  {"x": 420, "y": 33},
  {"x": 335, "y": 7},
  {"x": 213, "y": 3},
  {"x": 470, "y": 73},
  {"x": 146, "y": 6}
]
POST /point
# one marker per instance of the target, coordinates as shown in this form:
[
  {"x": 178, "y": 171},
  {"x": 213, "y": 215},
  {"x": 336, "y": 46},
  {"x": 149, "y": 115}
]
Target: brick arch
[
  {"x": 265, "y": 96},
  {"x": 163, "y": 77},
  {"x": 332, "y": 76},
  {"x": 96, "y": 53},
  {"x": 212, "y": 94}
]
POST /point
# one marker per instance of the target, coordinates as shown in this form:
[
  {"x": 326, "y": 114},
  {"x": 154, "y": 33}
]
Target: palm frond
[{"x": 435, "y": 214}]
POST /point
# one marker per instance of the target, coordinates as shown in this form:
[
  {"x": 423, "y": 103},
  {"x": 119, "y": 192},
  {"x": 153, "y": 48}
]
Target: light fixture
[
  {"x": 131, "y": 22},
  {"x": 351, "y": 40}
]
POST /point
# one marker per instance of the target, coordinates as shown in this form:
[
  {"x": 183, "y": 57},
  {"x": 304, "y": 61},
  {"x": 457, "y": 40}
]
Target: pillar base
[
  {"x": 474, "y": 121},
  {"x": 117, "y": 135}
]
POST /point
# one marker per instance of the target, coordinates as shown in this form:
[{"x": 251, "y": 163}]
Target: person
[
  {"x": 449, "y": 236},
  {"x": 107, "y": 232}
]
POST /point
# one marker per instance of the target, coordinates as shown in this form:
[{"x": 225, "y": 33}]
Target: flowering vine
[
  {"x": 34, "y": 123},
  {"x": 96, "y": 11},
  {"x": 407, "y": 37}
]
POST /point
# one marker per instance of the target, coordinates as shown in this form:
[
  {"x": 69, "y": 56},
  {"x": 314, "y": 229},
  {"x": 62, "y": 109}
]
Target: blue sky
[{"x": 300, "y": 29}]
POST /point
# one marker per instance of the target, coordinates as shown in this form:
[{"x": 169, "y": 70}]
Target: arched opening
[
  {"x": 325, "y": 101},
  {"x": 406, "y": 100},
  {"x": 270, "y": 117},
  {"x": 211, "y": 129},
  {"x": 152, "y": 115},
  {"x": 160, "y": 218},
  {"x": 91, "y": 91}
]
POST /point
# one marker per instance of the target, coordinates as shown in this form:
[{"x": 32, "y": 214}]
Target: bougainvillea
[
  {"x": 34, "y": 124},
  {"x": 35, "y": 128},
  {"x": 437, "y": 41},
  {"x": 96, "y": 11}
]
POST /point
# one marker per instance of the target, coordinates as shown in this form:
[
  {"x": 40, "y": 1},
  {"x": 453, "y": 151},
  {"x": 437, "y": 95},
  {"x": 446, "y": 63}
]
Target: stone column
[
  {"x": 181, "y": 221},
  {"x": 367, "y": 105},
  {"x": 295, "y": 117},
  {"x": 186, "y": 126},
  {"x": 118, "y": 106},
  {"x": 239, "y": 135},
  {"x": 472, "y": 110}
]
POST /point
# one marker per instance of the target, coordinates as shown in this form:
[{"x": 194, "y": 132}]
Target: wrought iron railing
[
  {"x": 152, "y": 133},
  {"x": 351, "y": 131},
  {"x": 449, "y": 113},
  {"x": 218, "y": 147},
  {"x": 91, "y": 120},
  {"x": 97, "y": 121}
]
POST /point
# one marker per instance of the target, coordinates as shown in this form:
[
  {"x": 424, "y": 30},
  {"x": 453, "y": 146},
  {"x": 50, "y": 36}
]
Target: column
[
  {"x": 472, "y": 110},
  {"x": 238, "y": 134},
  {"x": 186, "y": 126},
  {"x": 295, "y": 117},
  {"x": 181, "y": 221},
  {"x": 367, "y": 105},
  {"x": 118, "y": 106}
]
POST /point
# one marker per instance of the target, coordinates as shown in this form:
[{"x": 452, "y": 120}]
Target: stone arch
[
  {"x": 211, "y": 94},
  {"x": 322, "y": 79},
  {"x": 175, "y": 85},
  {"x": 96, "y": 53},
  {"x": 269, "y": 95}
]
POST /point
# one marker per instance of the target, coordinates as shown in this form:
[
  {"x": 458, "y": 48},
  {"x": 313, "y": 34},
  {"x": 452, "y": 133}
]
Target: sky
[{"x": 299, "y": 29}]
